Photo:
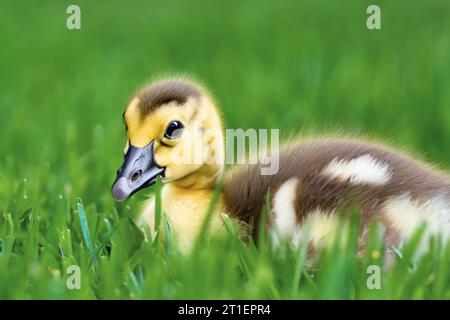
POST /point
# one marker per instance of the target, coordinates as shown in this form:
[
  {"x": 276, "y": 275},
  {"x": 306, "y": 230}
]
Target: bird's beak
[{"x": 138, "y": 171}]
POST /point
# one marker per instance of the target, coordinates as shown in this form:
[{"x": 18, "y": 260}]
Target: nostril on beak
[{"x": 136, "y": 175}]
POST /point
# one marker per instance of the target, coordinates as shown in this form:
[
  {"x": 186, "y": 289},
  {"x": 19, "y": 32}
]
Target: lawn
[{"x": 304, "y": 67}]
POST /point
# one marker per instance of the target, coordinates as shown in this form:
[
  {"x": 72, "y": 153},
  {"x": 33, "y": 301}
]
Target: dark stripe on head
[{"x": 166, "y": 91}]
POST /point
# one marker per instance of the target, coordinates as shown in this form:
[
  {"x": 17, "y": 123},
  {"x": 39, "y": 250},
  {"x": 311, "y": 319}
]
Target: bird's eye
[{"x": 174, "y": 130}]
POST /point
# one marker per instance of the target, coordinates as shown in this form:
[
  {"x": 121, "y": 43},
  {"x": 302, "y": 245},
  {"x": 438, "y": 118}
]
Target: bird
[{"x": 318, "y": 179}]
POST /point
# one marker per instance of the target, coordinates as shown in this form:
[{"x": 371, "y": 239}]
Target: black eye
[{"x": 174, "y": 130}]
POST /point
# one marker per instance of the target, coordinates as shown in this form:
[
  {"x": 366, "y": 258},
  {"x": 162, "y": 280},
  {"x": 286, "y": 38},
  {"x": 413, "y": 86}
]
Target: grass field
[{"x": 306, "y": 67}]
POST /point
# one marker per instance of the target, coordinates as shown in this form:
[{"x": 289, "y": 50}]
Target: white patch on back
[
  {"x": 364, "y": 169},
  {"x": 406, "y": 215},
  {"x": 285, "y": 216}
]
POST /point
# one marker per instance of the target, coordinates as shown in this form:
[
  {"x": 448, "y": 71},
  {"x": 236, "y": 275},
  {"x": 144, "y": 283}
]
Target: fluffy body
[
  {"x": 317, "y": 180},
  {"x": 332, "y": 177}
]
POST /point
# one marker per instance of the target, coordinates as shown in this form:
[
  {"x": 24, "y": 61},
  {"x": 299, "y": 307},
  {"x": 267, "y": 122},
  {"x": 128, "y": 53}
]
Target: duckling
[{"x": 317, "y": 178}]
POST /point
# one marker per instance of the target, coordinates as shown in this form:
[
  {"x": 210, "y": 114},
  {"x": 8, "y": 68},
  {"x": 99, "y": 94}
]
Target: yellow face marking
[
  {"x": 142, "y": 130},
  {"x": 154, "y": 125},
  {"x": 184, "y": 155},
  {"x": 136, "y": 133}
]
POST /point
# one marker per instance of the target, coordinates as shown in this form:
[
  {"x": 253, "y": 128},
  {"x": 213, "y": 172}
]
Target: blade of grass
[{"x": 86, "y": 234}]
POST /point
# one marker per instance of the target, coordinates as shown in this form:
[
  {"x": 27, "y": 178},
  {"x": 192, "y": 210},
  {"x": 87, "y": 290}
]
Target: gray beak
[{"x": 138, "y": 171}]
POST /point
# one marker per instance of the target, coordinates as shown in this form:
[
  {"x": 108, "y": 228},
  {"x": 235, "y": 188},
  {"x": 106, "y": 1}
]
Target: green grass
[{"x": 300, "y": 66}]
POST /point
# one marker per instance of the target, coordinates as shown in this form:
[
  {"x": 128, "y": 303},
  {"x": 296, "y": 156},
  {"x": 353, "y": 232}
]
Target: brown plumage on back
[{"x": 334, "y": 175}]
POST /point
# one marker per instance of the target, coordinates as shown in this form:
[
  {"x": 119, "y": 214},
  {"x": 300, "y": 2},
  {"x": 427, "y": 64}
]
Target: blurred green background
[{"x": 308, "y": 66}]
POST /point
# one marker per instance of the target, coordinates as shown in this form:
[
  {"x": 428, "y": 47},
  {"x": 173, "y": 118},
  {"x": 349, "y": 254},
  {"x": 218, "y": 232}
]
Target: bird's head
[{"x": 174, "y": 131}]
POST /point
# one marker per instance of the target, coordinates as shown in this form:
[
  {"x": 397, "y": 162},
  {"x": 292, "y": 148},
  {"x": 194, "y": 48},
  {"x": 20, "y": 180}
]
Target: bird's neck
[
  {"x": 186, "y": 201},
  {"x": 187, "y": 209},
  {"x": 205, "y": 178}
]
